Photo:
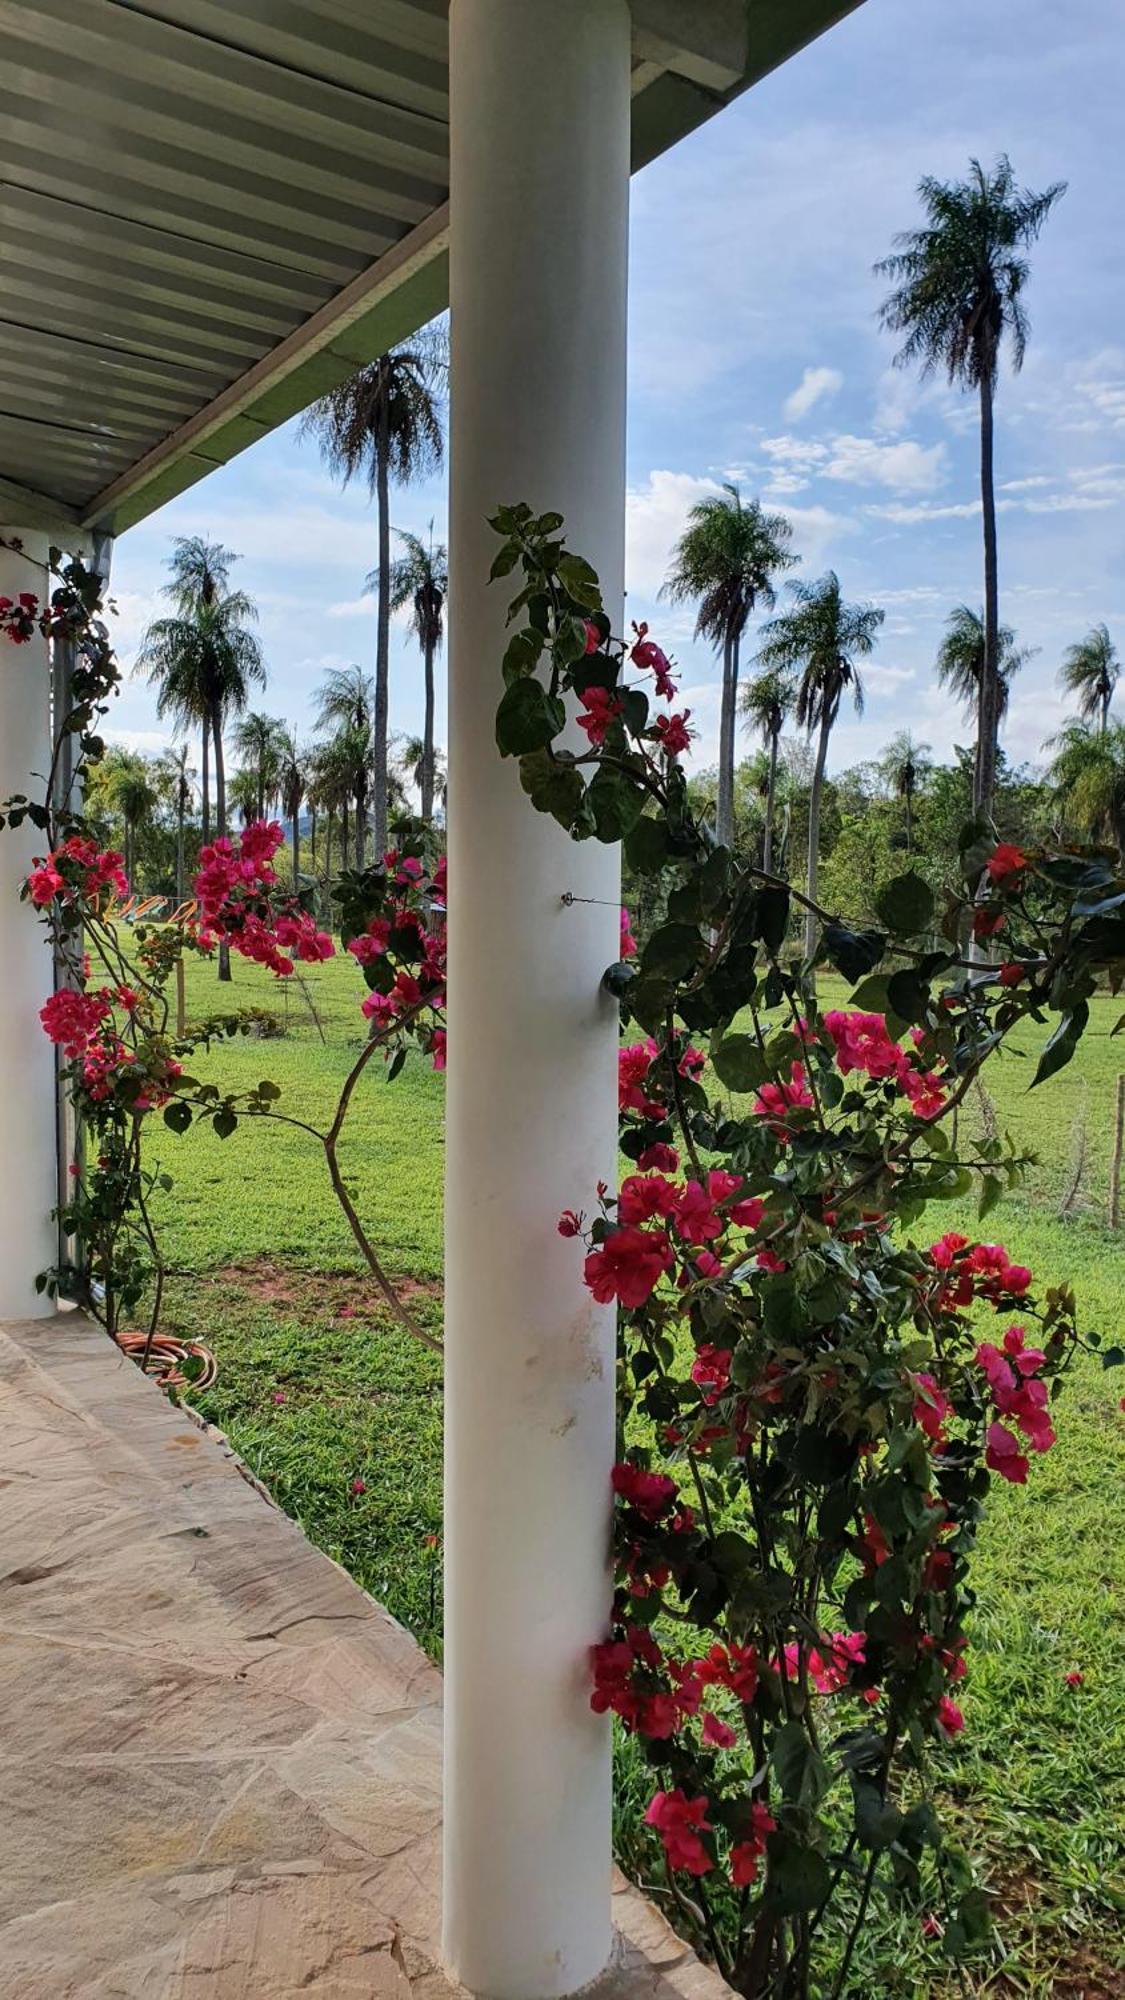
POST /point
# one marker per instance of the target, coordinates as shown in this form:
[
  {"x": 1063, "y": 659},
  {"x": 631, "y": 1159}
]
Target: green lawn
[{"x": 317, "y": 1389}]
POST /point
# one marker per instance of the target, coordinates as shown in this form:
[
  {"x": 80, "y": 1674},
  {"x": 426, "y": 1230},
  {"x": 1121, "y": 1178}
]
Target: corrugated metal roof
[{"x": 211, "y": 210}]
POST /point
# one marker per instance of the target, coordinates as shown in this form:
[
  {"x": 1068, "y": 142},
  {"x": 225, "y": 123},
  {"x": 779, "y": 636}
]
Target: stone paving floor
[{"x": 220, "y": 1761}]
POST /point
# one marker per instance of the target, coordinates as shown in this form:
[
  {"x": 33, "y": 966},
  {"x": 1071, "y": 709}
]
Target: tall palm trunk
[
  {"x": 221, "y": 819},
  {"x": 181, "y": 806},
  {"x": 828, "y": 716},
  {"x": 383, "y": 635},
  {"x": 312, "y": 835},
  {"x": 328, "y": 845},
  {"x": 1106, "y": 699},
  {"x": 724, "y": 806},
  {"x": 988, "y": 703},
  {"x": 361, "y": 817},
  {"x": 206, "y": 764},
  {"x": 908, "y": 796},
  {"x": 296, "y": 825},
  {"x": 427, "y": 784},
  {"x": 771, "y": 791},
  {"x": 344, "y": 832}
]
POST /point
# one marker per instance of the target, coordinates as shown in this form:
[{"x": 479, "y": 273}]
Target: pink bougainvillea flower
[
  {"x": 950, "y": 1716},
  {"x": 1011, "y": 973},
  {"x": 651, "y": 1493},
  {"x": 570, "y": 1223},
  {"x": 628, "y": 943},
  {"x": 711, "y": 1372},
  {"x": 679, "y": 1821},
  {"x": 930, "y": 1925},
  {"x": 628, "y": 1266},
  {"x": 359, "y": 1486},
  {"x": 44, "y": 884},
  {"x": 643, "y": 1196},
  {"x": 600, "y": 709},
  {"x": 746, "y": 1854},
  {"x": 931, "y": 1407},
  {"x": 1074, "y": 1678},
  {"x": 279, "y": 1396},
  {"x": 593, "y": 636},
  {"x": 1003, "y": 1455},
  {"x": 649, "y": 658},
  {"x": 718, "y": 1735},
  {"x": 673, "y": 733},
  {"x": 659, "y": 1157},
  {"x": 1005, "y": 864}
]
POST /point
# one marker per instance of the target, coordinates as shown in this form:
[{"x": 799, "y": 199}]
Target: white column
[
  {"x": 539, "y": 173},
  {"x": 28, "y": 1174}
]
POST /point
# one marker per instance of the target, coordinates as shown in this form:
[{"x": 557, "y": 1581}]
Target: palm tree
[
  {"x": 345, "y": 704},
  {"x": 204, "y": 660},
  {"x": 766, "y": 704},
  {"x": 293, "y": 782},
  {"x": 906, "y": 764},
  {"x": 259, "y": 740},
  {"x": 1091, "y": 671},
  {"x": 1088, "y": 771},
  {"x": 820, "y": 638},
  {"x": 960, "y": 668},
  {"x": 134, "y": 796},
  {"x": 726, "y": 561},
  {"x": 384, "y": 423},
  {"x": 242, "y": 795},
  {"x": 412, "y": 760},
  {"x": 420, "y": 578},
  {"x": 958, "y": 296},
  {"x": 179, "y": 775}
]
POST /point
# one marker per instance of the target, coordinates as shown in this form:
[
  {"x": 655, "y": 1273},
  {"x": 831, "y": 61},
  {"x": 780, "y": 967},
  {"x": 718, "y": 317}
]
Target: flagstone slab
[{"x": 220, "y": 1761}]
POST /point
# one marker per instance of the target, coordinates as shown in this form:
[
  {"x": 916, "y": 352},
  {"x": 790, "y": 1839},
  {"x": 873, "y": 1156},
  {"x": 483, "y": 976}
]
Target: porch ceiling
[{"x": 213, "y": 210}]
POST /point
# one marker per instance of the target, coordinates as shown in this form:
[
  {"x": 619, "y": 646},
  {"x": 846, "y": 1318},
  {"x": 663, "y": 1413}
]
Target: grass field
[{"x": 318, "y": 1390}]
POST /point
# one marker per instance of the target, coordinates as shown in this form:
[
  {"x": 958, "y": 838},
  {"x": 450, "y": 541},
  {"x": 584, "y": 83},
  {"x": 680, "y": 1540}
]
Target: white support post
[
  {"x": 539, "y": 213},
  {"x": 28, "y": 1171}
]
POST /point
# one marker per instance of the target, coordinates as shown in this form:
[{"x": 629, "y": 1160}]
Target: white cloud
[
  {"x": 904, "y": 465},
  {"x": 351, "y": 607},
  {"x": 815, "y": 386},
  {"x": 655, "y": 516},
  {"x": 816, "y": 530}
]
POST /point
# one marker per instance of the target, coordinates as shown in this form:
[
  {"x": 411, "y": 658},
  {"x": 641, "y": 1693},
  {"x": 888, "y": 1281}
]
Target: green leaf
[
  {"x": 1113, "y": 1357},
  {"x": 615, "y": 800},
  {"x": 177, "y": 1116},
  {"x": 801, "y": 1771},
  {"x": 672, "y": 951},
  {"x": 908, "y": 996},
  {"x": 1062, "y": 1044},
  {"x": 528, "y": 718},
  {"x": 553, "y": 785},
  {"x": 646, "y": 846},
  {"x": 224, "y": 1122},
  {"x": 521, "y": 655},
  {"x": 580, "y": 581},
  {"x": 269, "y": 1091},
  {"x": 772, "y": 916},
  {"x": 569, "y": 642},
  {"x": 877, "y": 1823},
  {"x": 906, "y": 904},
  {"x": 798, "y": 1877},
  {"x": 739, "y": 1063},
  {"x": 853, "y": 952}
]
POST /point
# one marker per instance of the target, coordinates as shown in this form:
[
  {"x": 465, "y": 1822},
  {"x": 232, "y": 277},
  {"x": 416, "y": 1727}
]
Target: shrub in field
[{"x": 811, "y": 1411}]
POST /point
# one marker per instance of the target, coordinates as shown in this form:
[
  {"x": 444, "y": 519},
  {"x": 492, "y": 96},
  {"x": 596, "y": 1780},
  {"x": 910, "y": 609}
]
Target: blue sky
[{"x": 755, "y": 354}]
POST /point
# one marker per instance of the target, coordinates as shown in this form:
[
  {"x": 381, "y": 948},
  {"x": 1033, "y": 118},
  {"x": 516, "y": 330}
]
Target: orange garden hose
[{"x": 166, "y": 1357}]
